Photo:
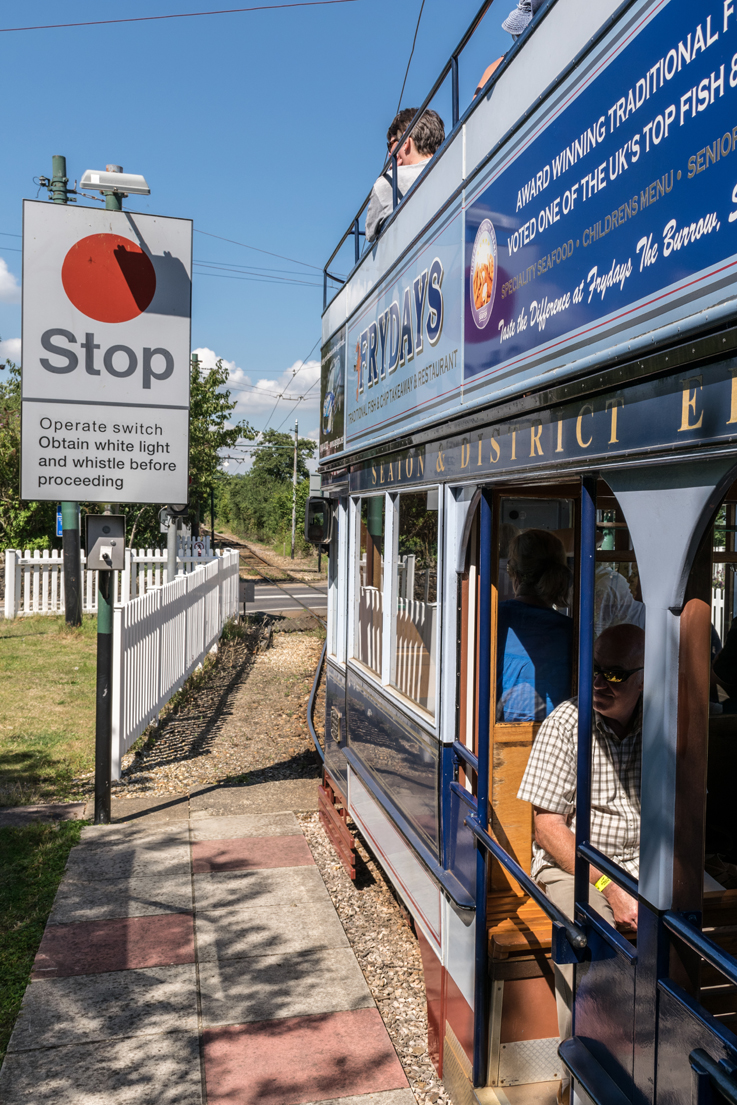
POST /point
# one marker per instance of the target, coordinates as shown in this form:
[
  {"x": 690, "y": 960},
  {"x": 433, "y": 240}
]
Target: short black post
[{"x": 104, "y": 710}]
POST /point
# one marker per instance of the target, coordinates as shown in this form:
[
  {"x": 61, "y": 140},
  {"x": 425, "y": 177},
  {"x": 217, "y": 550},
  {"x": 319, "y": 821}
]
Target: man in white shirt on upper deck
[{"x": 426, "y": 138}]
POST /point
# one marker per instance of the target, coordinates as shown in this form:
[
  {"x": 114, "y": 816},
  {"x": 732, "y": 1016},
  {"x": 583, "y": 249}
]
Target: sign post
[
  {"x": 105, "y": 384},
  {"x": 105, "y": 554}
]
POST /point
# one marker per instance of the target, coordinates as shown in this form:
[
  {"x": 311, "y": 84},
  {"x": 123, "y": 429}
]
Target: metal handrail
[
  {"x": 605, "y": 865},
  {"x": 451, "y": 67},
  {"x": 463, "y": 753},
  {"x": 311, "y": 704},
  {"x": 722, "y": 961},
  {"x": 576, "y": 935},
  {"x": 703, "y": 1064}
]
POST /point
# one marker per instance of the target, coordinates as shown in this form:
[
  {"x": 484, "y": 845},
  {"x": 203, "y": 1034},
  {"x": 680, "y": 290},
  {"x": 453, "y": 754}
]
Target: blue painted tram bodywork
[{"x": 543, "y": 337}]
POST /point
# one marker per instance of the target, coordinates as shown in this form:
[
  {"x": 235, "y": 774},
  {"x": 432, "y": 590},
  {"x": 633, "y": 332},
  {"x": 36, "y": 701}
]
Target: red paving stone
[
  {"x": 299, "y": 1059},
  {"x": 126, "y": 943},
  {"x": 249, "y": 853}
]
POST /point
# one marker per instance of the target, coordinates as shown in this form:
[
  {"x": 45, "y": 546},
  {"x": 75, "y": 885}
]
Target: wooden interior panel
[
  {"x": 511, "y": 819},
  {"x": 528, "y": 1010}
]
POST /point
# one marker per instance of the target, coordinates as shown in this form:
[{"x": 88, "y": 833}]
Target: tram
[{"x": 543, "y": 337}]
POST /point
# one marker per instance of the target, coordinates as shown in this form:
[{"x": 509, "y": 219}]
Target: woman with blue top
[{"x": 535, "y": 641}]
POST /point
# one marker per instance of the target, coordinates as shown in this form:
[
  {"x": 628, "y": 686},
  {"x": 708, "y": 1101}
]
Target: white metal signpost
[{"x": 106, "y": 355}]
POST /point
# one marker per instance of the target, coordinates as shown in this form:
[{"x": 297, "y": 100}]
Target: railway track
[{"x": 248, "y": 555}]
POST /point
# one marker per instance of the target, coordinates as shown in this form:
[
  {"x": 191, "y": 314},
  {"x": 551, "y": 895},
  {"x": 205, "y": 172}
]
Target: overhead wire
[
  {"x": 177, "y": 15},
  {"x": 268, "y": 252},
  {"x": 304, "y": 362},
  {"x": 411, "y": 55}
]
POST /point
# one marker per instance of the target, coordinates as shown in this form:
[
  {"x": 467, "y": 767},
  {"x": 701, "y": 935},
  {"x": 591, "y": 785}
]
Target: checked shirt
[{"x": 549, "y": 783}]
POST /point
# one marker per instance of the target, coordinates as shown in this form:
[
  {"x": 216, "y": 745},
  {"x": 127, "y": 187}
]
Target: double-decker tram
[{"x": 529, "y": 448}]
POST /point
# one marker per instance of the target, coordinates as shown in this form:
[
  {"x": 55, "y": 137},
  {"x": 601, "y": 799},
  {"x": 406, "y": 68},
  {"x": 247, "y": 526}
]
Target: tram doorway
[{"x": 536, "y": 582}]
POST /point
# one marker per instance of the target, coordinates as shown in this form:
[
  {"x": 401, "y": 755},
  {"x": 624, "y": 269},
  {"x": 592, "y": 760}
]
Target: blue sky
[{"x": 265, "y": 127}]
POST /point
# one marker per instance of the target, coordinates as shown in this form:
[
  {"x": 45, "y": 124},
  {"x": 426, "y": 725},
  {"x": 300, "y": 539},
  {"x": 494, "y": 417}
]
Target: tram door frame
[
  {"x": 685, "y": 1026},
  {"x": 468, "y": 688}
]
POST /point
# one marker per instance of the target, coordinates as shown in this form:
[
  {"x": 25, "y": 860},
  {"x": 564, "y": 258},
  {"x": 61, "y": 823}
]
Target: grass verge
[
  {"x": 32, "y": 861},
  {"x": 47, "y": 708}
]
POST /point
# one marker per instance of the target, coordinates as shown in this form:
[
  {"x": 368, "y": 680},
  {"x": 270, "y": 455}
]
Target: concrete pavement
[{"x": 194, "y": 959}]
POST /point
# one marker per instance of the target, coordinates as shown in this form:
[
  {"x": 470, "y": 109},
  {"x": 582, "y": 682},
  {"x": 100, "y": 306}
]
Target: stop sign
[{"x": 106, "y": 355}]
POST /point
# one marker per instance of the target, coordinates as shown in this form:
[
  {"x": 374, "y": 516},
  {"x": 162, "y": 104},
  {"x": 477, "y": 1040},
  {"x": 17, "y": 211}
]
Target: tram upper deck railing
[{"x": 515, "y": 56}]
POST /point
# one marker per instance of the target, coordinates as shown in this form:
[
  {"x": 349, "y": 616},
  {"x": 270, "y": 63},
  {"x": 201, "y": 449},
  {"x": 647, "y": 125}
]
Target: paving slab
[
  {"x": 169, "y": 807},
  {"x": 143, "y": 856},
  {"x": 135, "y": 897},
  {"x": 18, "y": 816},
  {"x": 92, "y": 947},
  {"x": 131, "y": 832},
  {"x": 309, "y": 1058},
  {"x": 276, "y": 889},
  {"x": 245, "y": 824},
  {"x": 275, "y": 986},
  {"x": 250, "y": 853},
  {"x": 140, "y": 1070},
  {"x": 238, "y": 933},
  {"x": 98, "y": 1007},
  {"x": 288, "y": 794}
]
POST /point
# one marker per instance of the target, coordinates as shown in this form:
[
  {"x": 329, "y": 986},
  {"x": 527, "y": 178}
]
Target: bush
[{"x": 260, "y": 507}]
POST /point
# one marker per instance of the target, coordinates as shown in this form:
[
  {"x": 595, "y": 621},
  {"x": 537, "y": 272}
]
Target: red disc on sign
[{"x": 108, "y": 278}]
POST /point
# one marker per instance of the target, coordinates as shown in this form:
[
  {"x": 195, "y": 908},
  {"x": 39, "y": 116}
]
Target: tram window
[
  {"x": 415, "y": 627},
  {"x": 617, "y": 593},
  {"x": 369, "y": 625},
  {"x": 535, "y": 629}
]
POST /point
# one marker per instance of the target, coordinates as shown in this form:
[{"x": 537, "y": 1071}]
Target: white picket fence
[
  {"x": 34, "y": 580},
  {"x": 160, "y": 638}
]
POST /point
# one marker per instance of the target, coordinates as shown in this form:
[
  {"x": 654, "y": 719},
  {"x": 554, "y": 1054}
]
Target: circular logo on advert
[{"x": 483, "y": 274}]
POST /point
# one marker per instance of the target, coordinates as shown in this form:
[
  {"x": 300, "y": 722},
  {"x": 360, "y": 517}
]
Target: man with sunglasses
[
  {"x": 549, "y": 784},
  {"x": 413, "y": 155}
]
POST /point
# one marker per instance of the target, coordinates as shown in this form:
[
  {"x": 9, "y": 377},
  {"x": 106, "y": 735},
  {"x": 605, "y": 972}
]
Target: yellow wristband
[{"x": 603, "y": 883}]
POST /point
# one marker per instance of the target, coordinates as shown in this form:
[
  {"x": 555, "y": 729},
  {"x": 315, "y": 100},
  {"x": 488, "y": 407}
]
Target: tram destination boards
[
  {"x": 607, "y": 222},
  {"x": 106, "y": 355}
]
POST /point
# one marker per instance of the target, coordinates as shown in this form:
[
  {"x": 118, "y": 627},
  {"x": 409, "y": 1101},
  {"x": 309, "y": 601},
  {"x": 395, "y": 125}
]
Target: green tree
[
  {"x": 274, "y": 456},
  {"x": 210, "y": 431},
  {"x": 23, "y": 525}
]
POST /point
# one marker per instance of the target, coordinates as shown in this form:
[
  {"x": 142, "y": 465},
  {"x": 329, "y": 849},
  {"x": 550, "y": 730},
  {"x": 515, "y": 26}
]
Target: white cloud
[
  {"x": 9, "y": 286},
  {"x": 10, "y": 350},
  {"x": 256, "y": 397}
]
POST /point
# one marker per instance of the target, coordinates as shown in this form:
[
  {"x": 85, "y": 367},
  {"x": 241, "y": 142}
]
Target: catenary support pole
[
  {"x": 294, "y": 485},
  {"x": 71, "y": 552},
  {"x": 212, "y": 518},
  {"x": 104, "y": 703}
]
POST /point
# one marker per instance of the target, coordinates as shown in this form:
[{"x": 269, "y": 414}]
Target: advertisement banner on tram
[
  {"x": 619, "y": 212},
  {"x": 332, "y": 396},
  {"x": 404, "y": 347}
]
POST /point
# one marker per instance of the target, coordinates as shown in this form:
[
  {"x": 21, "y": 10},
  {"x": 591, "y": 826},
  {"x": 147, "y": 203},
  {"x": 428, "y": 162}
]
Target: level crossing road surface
[
  {"x": 270, "y": 599},
  {"x": 199, "y": 959}
]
